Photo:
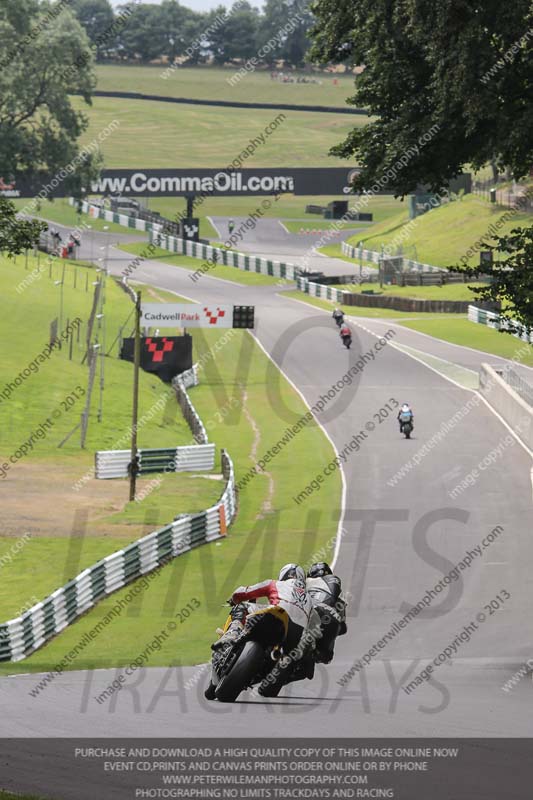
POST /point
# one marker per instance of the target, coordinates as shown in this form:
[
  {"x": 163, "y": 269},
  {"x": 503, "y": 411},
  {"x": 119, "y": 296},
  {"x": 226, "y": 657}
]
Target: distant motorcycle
[
  {"x": 406, "y": 427},
  {"x": 347, "y": 341},
  {"x": 339, "y": 320}
]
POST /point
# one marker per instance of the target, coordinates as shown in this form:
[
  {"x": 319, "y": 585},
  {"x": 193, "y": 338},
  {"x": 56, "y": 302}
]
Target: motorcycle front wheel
[{"x": 241, "y": 674}]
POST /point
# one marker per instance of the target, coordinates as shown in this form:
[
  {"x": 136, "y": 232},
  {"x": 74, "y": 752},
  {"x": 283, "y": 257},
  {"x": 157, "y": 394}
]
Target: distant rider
[
  {"x": 405, "y": 415},
  {"x": 345, "y": 332},
  {"x": 231, "y": 226},
  {"x": 338, "y": 316},
  {"x": 325, "y": 590}
]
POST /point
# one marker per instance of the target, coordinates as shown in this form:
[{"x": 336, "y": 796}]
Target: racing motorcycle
[
  {"x": 406, "y": 428},
  {"x": 347, "y": 341},
  {"x": 248, "y": 659}
]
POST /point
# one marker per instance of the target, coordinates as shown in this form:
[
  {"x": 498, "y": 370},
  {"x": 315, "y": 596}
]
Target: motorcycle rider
[
  {"x": 290, "y": 594},
  {"x": 325, "y": 590},
  {"x": 338, "y": 316},
  {"x": 405, "y": 414},
  {"x": 345, "y": 333}
]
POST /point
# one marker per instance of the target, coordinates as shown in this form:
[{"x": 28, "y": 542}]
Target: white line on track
[
  {"x": 343, "y": 496},
  {"x": 433, "y": 369}
]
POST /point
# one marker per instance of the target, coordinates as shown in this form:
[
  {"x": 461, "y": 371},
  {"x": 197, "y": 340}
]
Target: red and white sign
[{"x": 186, "y": 315}]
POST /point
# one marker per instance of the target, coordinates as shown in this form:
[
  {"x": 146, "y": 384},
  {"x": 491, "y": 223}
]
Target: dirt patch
[{"x": 40, "y": 500}]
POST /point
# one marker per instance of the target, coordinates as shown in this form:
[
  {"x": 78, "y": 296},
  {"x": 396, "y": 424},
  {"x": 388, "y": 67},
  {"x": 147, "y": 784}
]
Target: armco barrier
[
  {"x": 263, "y": 266},
  {"x": 22, "y": 636},
  {"x": 186, "y": 458},
  {"x": 492, "y": 320},
  {"x": 375, "y": 257},
  {"x": 319, "y": 290},
  {"x": 516, "y": 412},
  {"x": 180, "y": 384},
  {"x": 381, "y": 301},
  {"x": 230, "y": 258},
  {"x": 97, "y": 212}
]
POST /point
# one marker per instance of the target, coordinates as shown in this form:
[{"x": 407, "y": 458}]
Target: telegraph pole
[{"x": 135, "y": 413}]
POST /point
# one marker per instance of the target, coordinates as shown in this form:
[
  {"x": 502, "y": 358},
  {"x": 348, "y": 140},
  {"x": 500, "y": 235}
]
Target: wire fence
[{"x": 518, "y": 383}]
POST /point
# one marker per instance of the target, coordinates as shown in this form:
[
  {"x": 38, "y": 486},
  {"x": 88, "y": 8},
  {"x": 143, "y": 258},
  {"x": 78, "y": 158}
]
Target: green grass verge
[
  {"x": 295, "y": 226},
  {"x": 354, "y": 311},
  {"x": 454, "y": 328},
  {"x": 30, "y": 312},
  {"x": 188, "y": 262},
  {"x": 64, "y": 214},
  {"x": 451, "y": 291},
  {"x": 444, "y": 235},
  {"x": 211, "y": 83},
  {"x": 206, "y": 136},
  {"x": 335, "y": 251},
  {"x": 10, "y": 796},
  {"x": 270, "y": 528},
  {"x": 470, "y": 334}
]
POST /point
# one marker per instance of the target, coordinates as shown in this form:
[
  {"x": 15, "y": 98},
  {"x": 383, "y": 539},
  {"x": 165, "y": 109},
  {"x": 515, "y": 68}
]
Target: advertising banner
[{"x": 186, "y": 315}]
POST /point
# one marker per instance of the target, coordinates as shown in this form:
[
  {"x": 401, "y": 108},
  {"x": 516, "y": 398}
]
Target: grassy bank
[
  {"x": 207, "y": 136},
  {"x": 444, "y": 235},
  {"x": 209, "y": 83},
  {"x": 233, "y": 400}
]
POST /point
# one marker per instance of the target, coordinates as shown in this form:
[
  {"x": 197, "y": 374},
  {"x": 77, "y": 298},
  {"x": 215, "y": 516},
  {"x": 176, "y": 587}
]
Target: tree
[
  {"x": 97, "y": 18},
  {"x": 284, "y": 27},
  {"x": 511, "y": 278},
  {"x": 241, "y": 32},
  {"x": 17, "y": 235},
  {"x": 47, "y": 62},
  {"x": 462, "y": 68},
  {"x": 181, "y": 27},
  {"x": 143, "y": 35}
]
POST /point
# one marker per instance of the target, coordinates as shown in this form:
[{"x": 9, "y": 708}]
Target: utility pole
[{"x": 135, "y": 412}]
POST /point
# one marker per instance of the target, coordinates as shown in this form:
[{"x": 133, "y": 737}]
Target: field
[
  {"x": 212, "y": 84},
  {"x": 200, "y": 136},
  {"x": 65, "y": 537},
  {"x": 442, "y": 236}
]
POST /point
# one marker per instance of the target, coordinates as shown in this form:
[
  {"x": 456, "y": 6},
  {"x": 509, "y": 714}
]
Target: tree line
[{"x": 170, "y": 30}]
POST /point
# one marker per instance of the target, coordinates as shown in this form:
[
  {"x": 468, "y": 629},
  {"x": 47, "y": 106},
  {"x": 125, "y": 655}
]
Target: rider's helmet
[
  {"x": 406, "y": 407},
  {"x": 318, "y": 570},
  {"x": 287, "y": 572}
]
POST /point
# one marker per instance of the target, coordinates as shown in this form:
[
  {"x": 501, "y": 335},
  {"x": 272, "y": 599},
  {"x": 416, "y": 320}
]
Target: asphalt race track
[{"x": 398, "y": 541}]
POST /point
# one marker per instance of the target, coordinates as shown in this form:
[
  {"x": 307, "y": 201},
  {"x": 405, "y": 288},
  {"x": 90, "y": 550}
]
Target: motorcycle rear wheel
[{"x": 241, "y": 674}]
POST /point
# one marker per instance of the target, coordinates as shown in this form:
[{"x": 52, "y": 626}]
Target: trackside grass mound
[
  {"x": 444, "y": 235},
  {"x": 233, "y": 401}
]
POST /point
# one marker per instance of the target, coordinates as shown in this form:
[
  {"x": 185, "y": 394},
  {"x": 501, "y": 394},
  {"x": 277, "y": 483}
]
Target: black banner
[
  {"x": 331, "y": 181},
  {"x": 404, "y": 769},
  {"x": 167, "y": 356}
]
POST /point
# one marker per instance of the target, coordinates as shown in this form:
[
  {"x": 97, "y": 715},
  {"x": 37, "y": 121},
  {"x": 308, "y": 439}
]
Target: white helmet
[{"x": 287, "y": 572}]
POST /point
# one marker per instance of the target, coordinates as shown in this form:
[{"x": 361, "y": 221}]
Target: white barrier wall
[
  {"x": 374, "y": 256},
  {"x": 503, "y": 399}
]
